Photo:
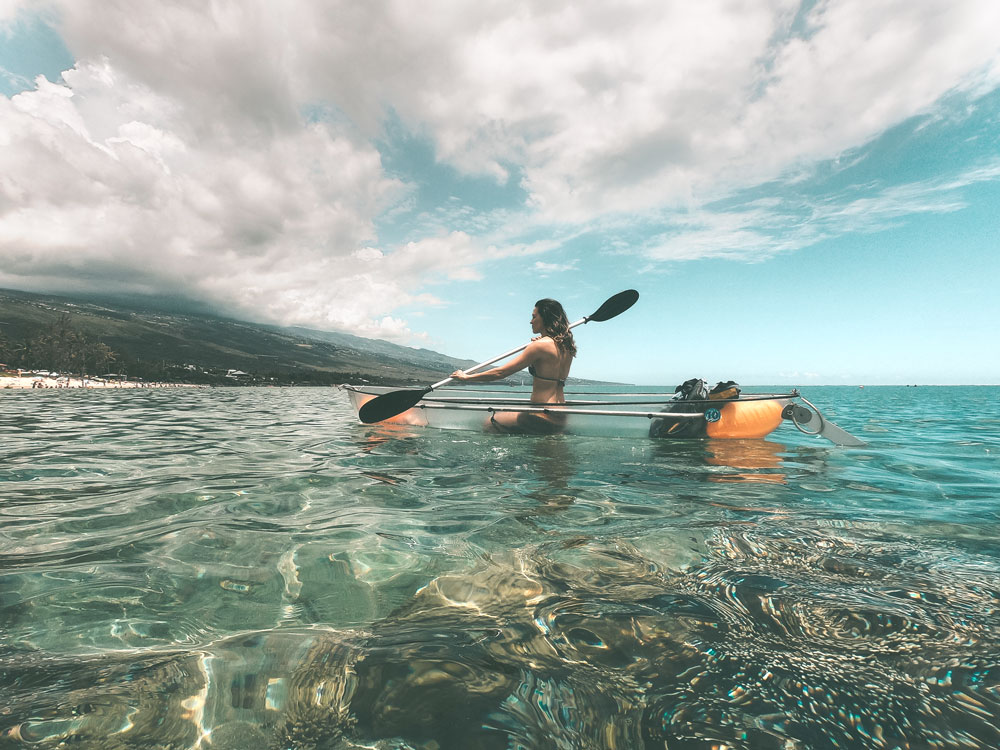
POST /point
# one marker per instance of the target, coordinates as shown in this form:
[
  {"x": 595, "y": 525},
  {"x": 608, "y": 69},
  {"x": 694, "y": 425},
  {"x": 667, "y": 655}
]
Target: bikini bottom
[{"x": 529, "y": 423}]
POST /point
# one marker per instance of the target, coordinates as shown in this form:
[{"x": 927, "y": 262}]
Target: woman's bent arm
[{"x": 517, "y": 364}]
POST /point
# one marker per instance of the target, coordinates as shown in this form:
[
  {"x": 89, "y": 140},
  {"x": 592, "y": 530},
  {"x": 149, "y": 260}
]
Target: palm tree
[{"x": 62, "y": 348}]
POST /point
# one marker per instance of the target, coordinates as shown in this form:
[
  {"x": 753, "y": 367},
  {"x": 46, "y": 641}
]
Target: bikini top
[{"x": 557, "y": 381}]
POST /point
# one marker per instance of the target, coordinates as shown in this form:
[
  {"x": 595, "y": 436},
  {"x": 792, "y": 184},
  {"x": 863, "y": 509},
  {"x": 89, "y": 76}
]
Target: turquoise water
[{"x": 252, "y": 568}]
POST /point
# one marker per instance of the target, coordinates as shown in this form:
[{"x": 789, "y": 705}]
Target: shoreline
[{"x": 38, "y": 382}]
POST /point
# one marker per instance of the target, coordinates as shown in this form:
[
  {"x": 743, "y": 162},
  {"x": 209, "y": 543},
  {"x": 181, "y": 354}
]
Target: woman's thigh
[{"x": 524, "y": 423}]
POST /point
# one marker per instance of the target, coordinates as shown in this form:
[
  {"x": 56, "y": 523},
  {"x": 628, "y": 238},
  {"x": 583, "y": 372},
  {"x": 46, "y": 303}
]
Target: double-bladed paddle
[{"x": 396, "y": 402}]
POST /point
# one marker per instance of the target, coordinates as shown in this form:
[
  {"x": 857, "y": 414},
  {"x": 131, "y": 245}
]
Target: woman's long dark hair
[{"x": 556, "y": 324}]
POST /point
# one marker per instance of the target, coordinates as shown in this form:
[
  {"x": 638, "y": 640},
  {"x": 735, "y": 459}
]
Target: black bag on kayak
[
  {"x": 690, "y": 398},
  {"x": 725, "y": 390},
  {"x": 692, "y": 390}
]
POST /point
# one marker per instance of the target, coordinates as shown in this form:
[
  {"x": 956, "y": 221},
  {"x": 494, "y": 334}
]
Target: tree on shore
[{"x": 59, "y": 347}]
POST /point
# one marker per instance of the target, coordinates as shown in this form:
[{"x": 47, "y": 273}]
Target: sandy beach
[{"x": 38, "y": 381}]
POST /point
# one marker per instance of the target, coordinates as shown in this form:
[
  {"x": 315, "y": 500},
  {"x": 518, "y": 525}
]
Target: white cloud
[
  {"x": 9, "y": 10},
  {"x": 763, "y": 228},
  {"x": 646, "y": 104},
  {"x": 543, "y": 268},
  {"x": 108, "y": 184},
  {"x": 179, "y": 156}
]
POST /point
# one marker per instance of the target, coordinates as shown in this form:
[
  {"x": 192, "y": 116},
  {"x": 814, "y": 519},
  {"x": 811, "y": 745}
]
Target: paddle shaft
[{"x": 489, "y": 362}]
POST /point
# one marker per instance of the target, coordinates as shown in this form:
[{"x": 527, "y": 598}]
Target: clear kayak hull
[{"x": 610, "y": 415}]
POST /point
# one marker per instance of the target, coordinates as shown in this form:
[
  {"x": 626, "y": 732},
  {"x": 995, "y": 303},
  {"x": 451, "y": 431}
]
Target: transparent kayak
[{"x": 638, "y": 415}]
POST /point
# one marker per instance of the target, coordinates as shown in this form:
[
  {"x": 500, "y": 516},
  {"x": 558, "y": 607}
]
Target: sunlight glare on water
[{"x": 254, "y": 568}]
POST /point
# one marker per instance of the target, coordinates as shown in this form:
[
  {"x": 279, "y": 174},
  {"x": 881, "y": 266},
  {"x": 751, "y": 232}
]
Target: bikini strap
[{"x": 531, "y": 371}]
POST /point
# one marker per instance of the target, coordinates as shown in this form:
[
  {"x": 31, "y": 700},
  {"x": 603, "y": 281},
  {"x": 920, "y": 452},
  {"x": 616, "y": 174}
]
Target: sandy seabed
[{"x": 35, "y": 381}]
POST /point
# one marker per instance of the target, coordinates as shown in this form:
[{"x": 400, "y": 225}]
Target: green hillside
[{"x": 155, "y": 343}]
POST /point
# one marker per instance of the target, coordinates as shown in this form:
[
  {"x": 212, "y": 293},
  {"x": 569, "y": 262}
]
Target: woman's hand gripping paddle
[{"x": 396, "y": 402}]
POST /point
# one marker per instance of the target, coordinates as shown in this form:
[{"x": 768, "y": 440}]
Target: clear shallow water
[{"x": 252, "y": 568}]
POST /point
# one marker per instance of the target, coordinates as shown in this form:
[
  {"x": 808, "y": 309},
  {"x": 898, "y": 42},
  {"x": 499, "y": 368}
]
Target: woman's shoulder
[{"x": 541, "y": 348}]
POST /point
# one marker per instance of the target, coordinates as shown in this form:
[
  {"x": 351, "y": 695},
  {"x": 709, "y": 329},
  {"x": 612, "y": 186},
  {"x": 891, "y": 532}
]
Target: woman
[{"x": 548, "y": 358}]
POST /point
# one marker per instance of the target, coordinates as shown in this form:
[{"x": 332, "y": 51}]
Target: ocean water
[{"x": 252, "y": 568}]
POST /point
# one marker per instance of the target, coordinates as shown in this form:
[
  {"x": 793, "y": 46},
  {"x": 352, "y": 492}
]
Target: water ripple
[{"x": 254, "y": 568}]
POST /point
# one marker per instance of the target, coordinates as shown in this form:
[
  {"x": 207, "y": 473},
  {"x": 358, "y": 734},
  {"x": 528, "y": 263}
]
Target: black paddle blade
[
  {"x": 390, "y": 404},
  {"x": 615, "y": 306}
]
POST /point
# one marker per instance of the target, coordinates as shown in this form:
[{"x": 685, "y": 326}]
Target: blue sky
[{"x": 803, "y": 193}]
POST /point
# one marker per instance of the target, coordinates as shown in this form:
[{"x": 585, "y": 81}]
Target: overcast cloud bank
[{"x": 227, "y": 151}]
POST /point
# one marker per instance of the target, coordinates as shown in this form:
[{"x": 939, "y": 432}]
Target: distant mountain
[
  {"x": 418, "y": 357},
  {"x": 162, "y": 341}
]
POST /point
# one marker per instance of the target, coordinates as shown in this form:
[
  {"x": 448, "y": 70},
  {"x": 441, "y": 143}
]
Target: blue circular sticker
[{"x": 712, "y": 415}]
